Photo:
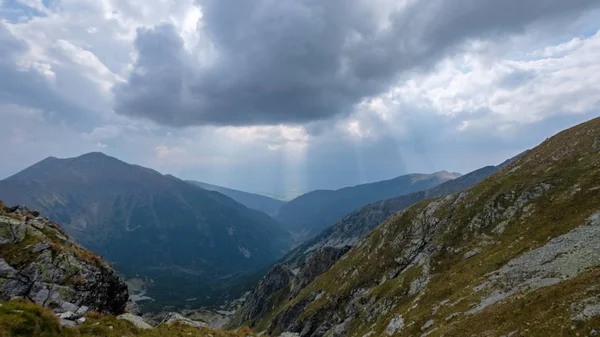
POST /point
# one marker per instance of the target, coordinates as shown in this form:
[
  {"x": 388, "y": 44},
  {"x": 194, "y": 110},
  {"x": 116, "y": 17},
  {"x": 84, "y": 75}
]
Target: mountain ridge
[
  {"x": 255, "y": 201},
  {"x": 311, "y": 212},
  {"x": 516, "y": 254},
  {"x": 150, "y": 224}
]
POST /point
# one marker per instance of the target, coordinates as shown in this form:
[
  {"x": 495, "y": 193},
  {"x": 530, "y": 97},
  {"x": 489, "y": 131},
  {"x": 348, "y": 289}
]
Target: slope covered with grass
[
  {"x": 518, "y": 253},
  {"x": 26, "y": 319}
]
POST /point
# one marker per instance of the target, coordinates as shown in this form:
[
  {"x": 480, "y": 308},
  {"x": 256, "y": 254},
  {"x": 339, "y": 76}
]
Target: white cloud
[
  {"x": 273, "y": 136},
  {"x": 562, "y": 79}
]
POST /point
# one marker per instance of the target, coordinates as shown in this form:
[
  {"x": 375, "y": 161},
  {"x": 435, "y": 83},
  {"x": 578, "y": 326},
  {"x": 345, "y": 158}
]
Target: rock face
[
  {"x": 257, "y": 304},
  {"x": 516, "y": 254},
  {"x": 39, "y": 262}
]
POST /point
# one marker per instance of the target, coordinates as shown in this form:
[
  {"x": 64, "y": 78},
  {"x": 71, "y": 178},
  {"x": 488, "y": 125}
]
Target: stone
[
  {"x": 175, "y": 318},
  {"x": 452, "y": 316},
  {"x": 67, "y": 323},
  {"x": 82, "y": 310},
  {"x": 395, "y": 325},
  {"x": 594, "y": 333},
  {"x": 81, "y": 320},
  {"x": 68, "y": 306},
  {"x": 589, "y": 312},
  {"x": 135, "y": 320},
  {"x": 41, "y": 295},
  {"x": 427, "y": 325},
  {"x": 6, "y": 271},
  {"x": 41, "y": 246},
  {"x": 67, "y": 315}
]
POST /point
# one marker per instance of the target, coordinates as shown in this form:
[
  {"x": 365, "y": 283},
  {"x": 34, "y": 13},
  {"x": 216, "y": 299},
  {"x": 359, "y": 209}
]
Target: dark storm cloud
[{"x": 292, "y": 61}]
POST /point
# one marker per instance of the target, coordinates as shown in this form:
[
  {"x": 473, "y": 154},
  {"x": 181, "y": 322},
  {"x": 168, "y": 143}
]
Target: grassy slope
[
  {"x": 569, "y": 162},
  {"x": 25, "y": 319}
]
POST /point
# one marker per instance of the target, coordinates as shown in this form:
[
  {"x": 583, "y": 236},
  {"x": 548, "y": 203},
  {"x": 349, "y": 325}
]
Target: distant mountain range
[
  {"x": 310, "y": 213},
  {"x": 352, "y": 227},
  {"x": 251, "y": 200},
  {"x": 188, "y": 240},
  {"x": 317, "y": 255}
]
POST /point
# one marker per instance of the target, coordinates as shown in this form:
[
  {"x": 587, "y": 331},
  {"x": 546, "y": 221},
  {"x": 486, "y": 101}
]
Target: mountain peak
[{"x": 95, "y": 155}]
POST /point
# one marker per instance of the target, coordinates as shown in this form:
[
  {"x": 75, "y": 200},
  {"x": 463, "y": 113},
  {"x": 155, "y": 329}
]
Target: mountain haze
[
  {"x": 312, "y": 212},
  {"x": 186, "y": 239},
  {"x": 516, "y": 254},
  {"x": 251, "y": 200}
]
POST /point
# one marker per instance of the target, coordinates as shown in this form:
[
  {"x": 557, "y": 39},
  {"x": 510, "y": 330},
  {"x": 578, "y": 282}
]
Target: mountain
[
  {"x": 517, "y": 254},
  {"x": 182, "y": 240},
  {"x": 352, "y": 227},
  {"x": 310, "y": 213},
  {"x": 315, "y": 256},
  {"x": 39, "y": 262},
  {"x": 255, "y": 201}
]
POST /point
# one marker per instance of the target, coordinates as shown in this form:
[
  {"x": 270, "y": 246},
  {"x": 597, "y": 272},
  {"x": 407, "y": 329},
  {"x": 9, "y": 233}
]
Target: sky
[{"x": 286, "y": 96}]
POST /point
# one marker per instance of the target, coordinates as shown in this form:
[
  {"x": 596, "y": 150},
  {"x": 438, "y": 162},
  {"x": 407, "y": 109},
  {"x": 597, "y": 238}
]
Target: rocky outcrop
[
  {"x": 257, "y": 304},
  {"x": 174, "y": 318},
  {"x": 319, "y": 263},
  {"x": 283, "y": 283},
  {"x": 41, "y": 263},
  {"x": 137, "y": 321}
]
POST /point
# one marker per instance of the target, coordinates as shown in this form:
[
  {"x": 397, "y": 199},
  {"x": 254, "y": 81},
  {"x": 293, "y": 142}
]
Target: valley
[{"x": 435, "y": 261}]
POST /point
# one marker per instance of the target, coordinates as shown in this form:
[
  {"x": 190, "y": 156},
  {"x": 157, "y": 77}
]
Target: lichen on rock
[{"x": 40, "y": 263}]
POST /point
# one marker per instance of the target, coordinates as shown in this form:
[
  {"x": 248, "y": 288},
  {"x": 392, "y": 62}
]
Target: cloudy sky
[{"x": 281, "y": 96}]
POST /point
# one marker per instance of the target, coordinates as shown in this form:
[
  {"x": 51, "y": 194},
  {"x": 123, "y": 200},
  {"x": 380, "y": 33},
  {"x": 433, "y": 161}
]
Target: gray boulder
[
  {"x": 135, "y": 320},
  {"x": 175, "y": 318}
]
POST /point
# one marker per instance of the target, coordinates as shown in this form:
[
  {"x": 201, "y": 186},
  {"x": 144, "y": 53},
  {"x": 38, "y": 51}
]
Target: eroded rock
[
  {"x": 41, "y": 264},
  {"x": 175, "y": 318},
  {"x": 135, "y": 320}
]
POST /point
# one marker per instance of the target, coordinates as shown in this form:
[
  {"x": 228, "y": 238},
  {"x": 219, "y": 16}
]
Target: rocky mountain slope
[
  {"x": 515, "y": 255},
  {"x": 310, "y": 213},
  {"x": 251, "y": 200},
  {"x": 314, "y": 257},
  {"x": 51, "y": 286},
  {"x": 41, "y": 263},
  {"x": 187, "y": 242}
]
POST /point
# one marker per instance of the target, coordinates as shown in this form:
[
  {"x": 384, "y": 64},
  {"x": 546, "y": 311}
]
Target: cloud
[
  {"x": 25, "y": 82},
  {"x": 293, "y": 95},
  {"x": 562, "y": 79},
  {"x": 295, "y": 62}
]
